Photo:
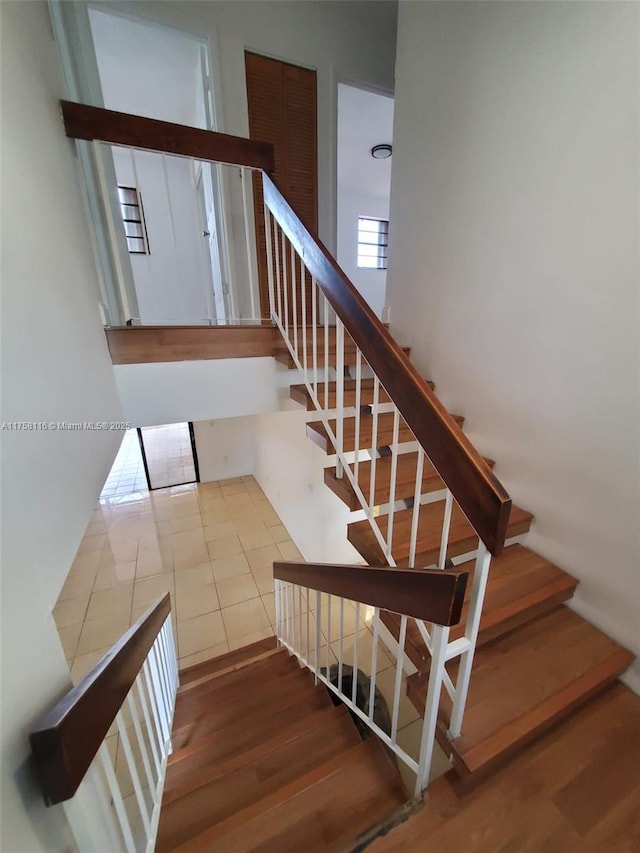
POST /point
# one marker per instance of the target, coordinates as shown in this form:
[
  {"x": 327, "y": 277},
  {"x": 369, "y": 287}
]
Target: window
[
  {"x": 373, "y": 237},
  {"x": 133, "y": 219}
]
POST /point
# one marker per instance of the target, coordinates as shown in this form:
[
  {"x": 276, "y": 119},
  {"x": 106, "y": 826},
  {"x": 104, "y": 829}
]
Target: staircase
[
  {"x": 264, "y": 760},
  {"x": 536, "y": 660}
]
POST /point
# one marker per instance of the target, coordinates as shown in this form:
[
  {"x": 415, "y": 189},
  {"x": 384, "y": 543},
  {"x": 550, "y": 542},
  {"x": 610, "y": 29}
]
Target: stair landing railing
[
  {"x": 311, "y": 609},
  {"x": 329, "y": 330},
  {"x": 102, "y": 750}
]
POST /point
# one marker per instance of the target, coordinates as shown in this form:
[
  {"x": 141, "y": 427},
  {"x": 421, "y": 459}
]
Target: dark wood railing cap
[
  {"x": 66, "y": 739},
  {"x": 428, "y": 594}
]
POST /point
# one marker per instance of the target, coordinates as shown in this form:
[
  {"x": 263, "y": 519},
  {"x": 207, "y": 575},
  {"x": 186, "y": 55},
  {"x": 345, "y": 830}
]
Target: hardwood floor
[{"x": 576, "y": 789}]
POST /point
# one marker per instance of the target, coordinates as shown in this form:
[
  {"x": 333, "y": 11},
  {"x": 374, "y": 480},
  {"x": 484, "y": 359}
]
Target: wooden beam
[
  {"x": 429, "y": 594},
  {"x": 141, "y": 344},
  {"x": 94, "y": 123}
]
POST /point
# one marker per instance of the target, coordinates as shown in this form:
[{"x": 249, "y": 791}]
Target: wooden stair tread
[
  {"x": 462, "y": 537},
  {"x": 525, "y": 681},
  {"x": 250, "y": 704},
  {"x": 219, "y": 745},
  {"x": 317, "y": 433},
  {"x": 575, "y": 789},
  {"x": 337, "y": 800},
  {"x": 232, "y": 686},
  {"x": 405, "y": 480},
  {"x": 253, "y": 775},
  {"x": 300, "y": 394},
  {"x": 227, "y": 660},
  {"x": 521, "y": 586}
]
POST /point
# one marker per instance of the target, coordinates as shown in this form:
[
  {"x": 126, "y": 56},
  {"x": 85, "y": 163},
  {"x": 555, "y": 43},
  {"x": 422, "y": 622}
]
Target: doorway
[
  {"x": 169, "y": 455},
  {"x": 282, "y": 106}
]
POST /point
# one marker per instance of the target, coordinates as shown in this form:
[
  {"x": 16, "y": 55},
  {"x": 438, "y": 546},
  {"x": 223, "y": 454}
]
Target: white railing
[
  {"x": 363, "y": 424},
  {"x": 119, "y": 799},
  {"x": 112, "y": 802}
]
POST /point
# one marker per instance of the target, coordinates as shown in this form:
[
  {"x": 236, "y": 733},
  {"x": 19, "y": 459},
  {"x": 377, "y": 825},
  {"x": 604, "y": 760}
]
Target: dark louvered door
[{"x": 282, "y": 110}]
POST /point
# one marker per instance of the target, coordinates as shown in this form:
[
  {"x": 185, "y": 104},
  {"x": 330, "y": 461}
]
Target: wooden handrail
[
  {"x": 65, "y": 741},
  {"x": 95, "y": 123},
  {"x": 429, "y": 594},
  {"x": 479, "y": 493}
]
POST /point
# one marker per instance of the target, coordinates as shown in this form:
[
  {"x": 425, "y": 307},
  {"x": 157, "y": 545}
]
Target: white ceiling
[{"x": 365, "y": 119}]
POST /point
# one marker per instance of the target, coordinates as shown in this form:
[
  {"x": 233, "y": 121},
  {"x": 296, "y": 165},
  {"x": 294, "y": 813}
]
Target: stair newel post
[
  {"x": 476, "y": 601},
  {"x": 340, "y": 397},
  {"x": 439, "y": 640}
]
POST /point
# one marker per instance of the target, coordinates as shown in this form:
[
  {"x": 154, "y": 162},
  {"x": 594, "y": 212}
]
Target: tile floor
[{"x": 212, "y": 547}]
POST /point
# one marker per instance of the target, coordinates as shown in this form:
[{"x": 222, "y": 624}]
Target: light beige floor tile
[
  {"x": 270, "y": 606},
  {"x": 185, "y": 522},
  {"x": 193, "y": 555},
  {"x": 101, "y": 632},
  {"x": 225, "y": 547},
  {"x": 184, "y": 505},
  {"x": 232, "y": 566},
  {"x": 195, "y": 578},
  {"x": 89, "y": 562},
  {"x": 90, "y": 544},
  {"x": 205, "y": 654},
  {"x": 264, "y": 580},
  {"x": 255, "y": 539},
  {"x": 117, "y": 600},
  {"x": 239, "y": 500},
  {"x": 236, "y": 488},
  {"x": 279, "y": 533},
  {"x": 69, "y": 636},
  {"x": 215, "y": 506},
  {"x": 149, "y": 590},
  {"x": 84, "y": 663},
  {"x": 186, "y": 539},
  {"x": 246, "y": 522},
  {"x": 96, "y": 527},
  {"x": 201, "y": 632},
  {"x": 263, "y": 558},
  {"x": 220, "y": 530},
  {"x": 385, "y": 683},
  {"x": 196, "y": 602},
  {"x": 289, "y": 551},
  {"x": 384, "y": 660},
  {"x": 409, "y": 740},
  {"x": 70, "y": 610},
  {"x": 243, "y": 618},
  {"x": 210, "y": 488},
  {"x": 121, "y": 552},
  {"x": 110, "y": 578},
  {"x": 235, "y": 590},
  {"x": 77, "y": 584},
  {"x": 247, "y": 639}
]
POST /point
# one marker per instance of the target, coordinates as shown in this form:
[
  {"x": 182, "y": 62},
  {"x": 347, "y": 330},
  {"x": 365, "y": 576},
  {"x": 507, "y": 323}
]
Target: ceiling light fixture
[{"x": 381, "y": 152}]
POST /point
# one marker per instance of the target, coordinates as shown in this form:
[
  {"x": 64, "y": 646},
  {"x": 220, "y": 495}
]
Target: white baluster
[
  {"x": 133, "y": 772},
  {"x": 340, "y": 397},
  {"x": 446, "y": 524},
  {"x": 314, "y": 334},
  {"x": 415, "y": 514},
  {"x": 374, "y": 662},
  {"x": 148, "y": 726},
  {"x": 340, "y": 640},
  {"x": 276, "y": 246},
  {"x": 398, "y": 682},
  {"x": 268, "y": 231},
  {"x": 303, "y": 310},
  {"x": 392, "y": 482},
  {"x": 246, "y": 177},
  {"x": 318, "y": 632},
  {"x": 116, "y": 796},
  {"x": 476, "y": 599},
  {"x": 439, "y": 637},
  {"x": 294, "y": 300},
  {"x": 329, "y": 597},
  {"x": 356, "y": 638},
  {"x": 358, "y": 406},
  {"x": 285, "y": 283},
  {"x": 374, "y": 441}
]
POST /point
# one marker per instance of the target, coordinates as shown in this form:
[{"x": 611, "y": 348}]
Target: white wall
[
  {"x": 55, "y": 367},
  {"x": 224, "y": 447},
  {"x": 289, "y": 468},
  {"x": 154, "y": 71},
  {"x": 365, "y": 119},
  {"x": 173, "y": 282},
  {"x": 514, "y": 263},
  {"x": 177, "y": 391},
  {"x": 344, "y": 40}
]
